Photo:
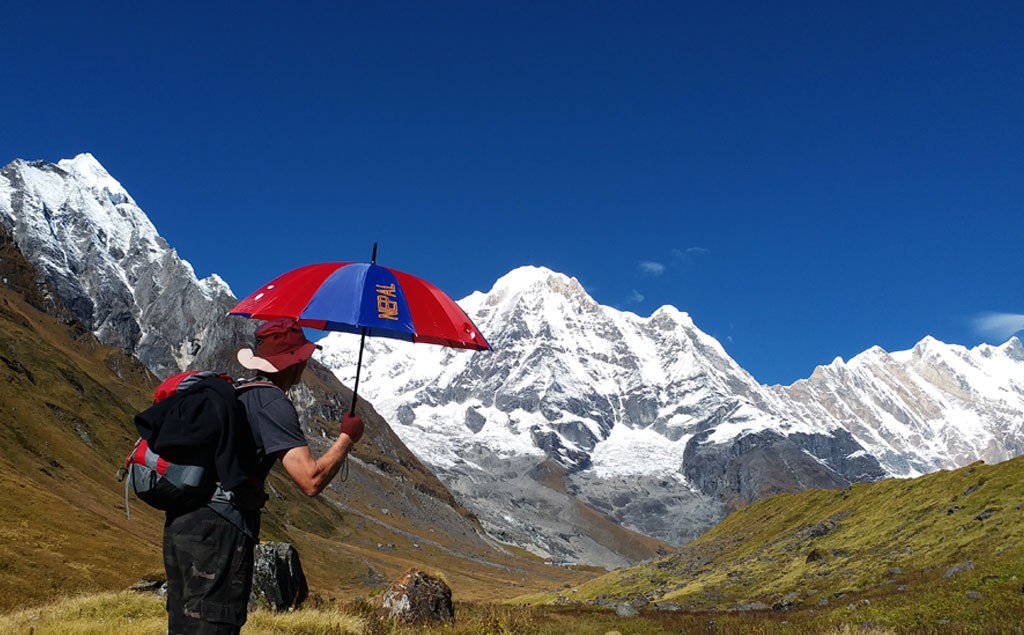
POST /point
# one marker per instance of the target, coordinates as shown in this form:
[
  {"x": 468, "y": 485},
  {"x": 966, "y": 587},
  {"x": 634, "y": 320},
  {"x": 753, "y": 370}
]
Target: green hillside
[{"x": 940, "y": 550}]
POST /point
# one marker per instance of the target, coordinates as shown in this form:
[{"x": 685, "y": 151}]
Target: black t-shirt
[
  {"x": 275, "y": 429},
  {"x": 274, "y": 423}
]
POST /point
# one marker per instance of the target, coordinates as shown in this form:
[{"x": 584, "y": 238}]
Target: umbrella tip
[{"x": 373, "y": 258}]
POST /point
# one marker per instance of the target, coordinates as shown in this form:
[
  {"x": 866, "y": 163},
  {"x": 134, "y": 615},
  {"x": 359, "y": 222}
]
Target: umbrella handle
[{"x": 359, "y": 368}]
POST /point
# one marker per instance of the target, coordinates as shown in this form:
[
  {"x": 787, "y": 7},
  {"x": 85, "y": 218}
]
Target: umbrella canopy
[{"x": 365, "y": 298}]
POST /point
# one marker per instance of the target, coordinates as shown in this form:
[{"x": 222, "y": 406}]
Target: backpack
[{"x": 195, "y": 442}]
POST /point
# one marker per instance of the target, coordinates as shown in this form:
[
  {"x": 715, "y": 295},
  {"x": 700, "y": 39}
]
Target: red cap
[{"x": 280, "y": 343}]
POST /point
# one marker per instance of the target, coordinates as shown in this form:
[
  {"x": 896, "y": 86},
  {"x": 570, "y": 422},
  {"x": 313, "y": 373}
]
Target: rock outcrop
[
  {"x": 418, "y": 598},
  {"x": 278, "y": 582}
]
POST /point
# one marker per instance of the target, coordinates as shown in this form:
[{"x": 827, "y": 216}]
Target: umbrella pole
[
  {"x": 359, "y": 368},
  {"x": 362, "y": 342}
]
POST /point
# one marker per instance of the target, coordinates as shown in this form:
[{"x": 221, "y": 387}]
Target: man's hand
[{"x": 352, "y": 425}]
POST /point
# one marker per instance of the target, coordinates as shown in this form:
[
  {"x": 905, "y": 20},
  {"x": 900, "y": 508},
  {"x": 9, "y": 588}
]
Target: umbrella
[{"x": 364, "y": 298}]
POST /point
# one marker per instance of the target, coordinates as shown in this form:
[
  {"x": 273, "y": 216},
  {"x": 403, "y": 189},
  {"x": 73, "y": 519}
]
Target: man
[{"x": 208, "y": 552}]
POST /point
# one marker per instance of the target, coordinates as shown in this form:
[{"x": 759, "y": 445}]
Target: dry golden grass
[
  {"x": 102, "y": 614},
  {"x": 129, "y": 613},
  {"x": 846, "y": 629},
  {"x": 132, "y": 613},
  {"x": 321, "y": 621}
]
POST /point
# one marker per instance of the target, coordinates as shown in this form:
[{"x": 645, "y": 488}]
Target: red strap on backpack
[
  {"x": 138, "y": 457},
  {"x": 172, "y": 384}
]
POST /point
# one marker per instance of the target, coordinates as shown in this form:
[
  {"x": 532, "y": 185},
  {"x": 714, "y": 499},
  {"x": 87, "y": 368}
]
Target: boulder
[
  {"x": 744, "y": 607},
  {"x": 150, "y": 585},
  {"x": 278, "y": 582},
  {"x": 958, "y": 569},
  {"x": 419, "y": 598},
  {"x": 626, "y": 609}
]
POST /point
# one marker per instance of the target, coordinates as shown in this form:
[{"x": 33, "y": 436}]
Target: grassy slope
[
  {"x": 946, "y": 546},
  {"x": 66, "y": 403},
  {"x": 64, "y": 525}
]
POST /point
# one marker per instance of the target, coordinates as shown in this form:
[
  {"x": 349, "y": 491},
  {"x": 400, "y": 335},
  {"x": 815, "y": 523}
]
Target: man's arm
[{"x": 313, "y": 475}]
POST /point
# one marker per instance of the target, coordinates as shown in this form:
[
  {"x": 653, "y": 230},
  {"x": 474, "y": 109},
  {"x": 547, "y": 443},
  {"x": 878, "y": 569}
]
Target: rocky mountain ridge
[{"x": 105, "y": 259}]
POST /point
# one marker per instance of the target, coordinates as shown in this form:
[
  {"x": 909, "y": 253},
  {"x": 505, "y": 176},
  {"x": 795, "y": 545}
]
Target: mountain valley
[{"x": 588, "y": 437}]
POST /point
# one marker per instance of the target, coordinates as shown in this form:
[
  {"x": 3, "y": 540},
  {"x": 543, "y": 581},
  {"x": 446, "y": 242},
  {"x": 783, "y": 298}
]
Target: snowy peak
[
  {"x": 88, "y": 170},
  {"x": 673, "y": 314},
  {"x": 214, "y": 287},
  {"x": 1012, "y": 349},
  {"x": 875, "y": 353},
  {"x": 528, "y": 277},
  {"x": 532, "y": 289},
  {"x": 77, "y": 203},
  {"x": 105, "y": 259},
  {"x": 936, "y": 406}
]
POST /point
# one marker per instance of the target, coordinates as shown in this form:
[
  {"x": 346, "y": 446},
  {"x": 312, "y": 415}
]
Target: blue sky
[{"x": 807, "y": 180}]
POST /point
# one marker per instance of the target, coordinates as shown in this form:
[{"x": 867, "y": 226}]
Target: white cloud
[
  {"x": 999, "y": 325},
  {"x": 652, "y": 268},
  {"x": 636, "y": 297},
  {"x": 688, "y": 257}
]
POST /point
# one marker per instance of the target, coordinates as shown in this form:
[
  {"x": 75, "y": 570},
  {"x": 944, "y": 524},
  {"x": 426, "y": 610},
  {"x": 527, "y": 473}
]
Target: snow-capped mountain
[
  {"x": 583, "y": 418},
  {"x": 592, "y": 387},
  {"x": 109, "y": 265},
  {"x": 937, "y": 406},
  {"x": 649, "y": 420}
]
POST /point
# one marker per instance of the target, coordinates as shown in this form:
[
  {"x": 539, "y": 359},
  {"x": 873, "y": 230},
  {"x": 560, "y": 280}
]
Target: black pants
[{"x": 209, "y": 565}]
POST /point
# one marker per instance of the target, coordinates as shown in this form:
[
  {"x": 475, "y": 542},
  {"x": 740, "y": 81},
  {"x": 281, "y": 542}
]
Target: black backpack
[{"x": 194, "y": 441}]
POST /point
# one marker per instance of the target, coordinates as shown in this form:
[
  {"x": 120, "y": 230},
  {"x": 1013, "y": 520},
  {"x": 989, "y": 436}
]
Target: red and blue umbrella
[
  {"x": 364, "y": 298},
  {"x": 352, "y": 296}
]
